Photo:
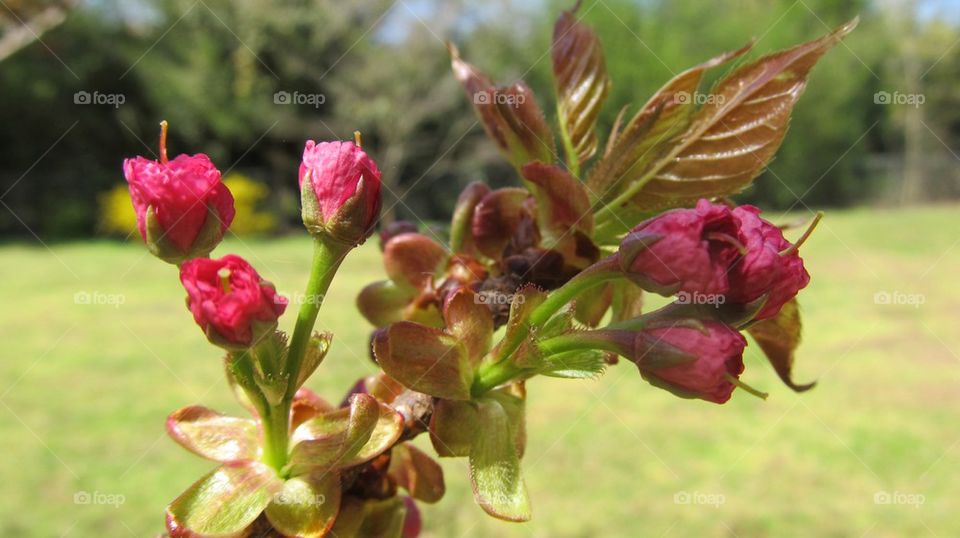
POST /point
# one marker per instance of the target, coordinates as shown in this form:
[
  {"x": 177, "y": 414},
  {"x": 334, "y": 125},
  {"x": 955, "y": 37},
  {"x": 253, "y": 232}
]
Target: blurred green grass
[{"x": 85, "y": 389}]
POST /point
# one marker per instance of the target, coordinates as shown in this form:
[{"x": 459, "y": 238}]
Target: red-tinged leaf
[
  {"x": 650, "y": 133},
  {"x": 329, "y": 439},
  {"x": 562, "y": 201},
  {"x": 469, "y": 321},
  {"x": 779, "y": 337},
  {"x": 581, "y": 80},
  {"x": 384, "y": 388},
  {"x": 212, "y": 435},
  {"x": 417, "y": 473},
  {"x": 384, "y": 302},
  {"x": 452, "y": 428},
  {"x": 498, "y": 486},
  {"x": 306, "y": 405},
  {"x": 307, "y": 506},
  {"x": 412, "y": 259},
  {"x": 510, "y": 115},
  {"x": 497, "y": 217},
  {"x": 735, "y": 135},
  {"x": 461, "y": 238},
  {"x": 223, "y": 503},
  {"x": 345, "y": 437},
  {"x": 424, "y": 359}
]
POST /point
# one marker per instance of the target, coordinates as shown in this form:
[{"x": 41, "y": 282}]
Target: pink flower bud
[
  {"x": 182, "y": 207},
  {"x": 229, "y": 300},
  {"x": 687, "y": 250},
  {"x": 714, "y": 359},
  {"x": 340, "y": 190},
  {"x": 770, "y": 267}
]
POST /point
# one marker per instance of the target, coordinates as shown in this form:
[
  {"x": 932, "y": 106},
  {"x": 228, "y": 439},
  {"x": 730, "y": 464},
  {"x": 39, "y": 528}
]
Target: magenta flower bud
[
  {"x": 688, "y": 250},
  {"x": 230, "y": 302},
  {"x": 694, "y": 362},
  {"x": 182, "y": 208},
  {"x": 340, "y": 191},
  {"x": 771, "y": 267}
]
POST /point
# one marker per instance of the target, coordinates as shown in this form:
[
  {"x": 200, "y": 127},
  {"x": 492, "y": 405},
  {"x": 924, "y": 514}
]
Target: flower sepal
[{"x": 161, "y": 246}]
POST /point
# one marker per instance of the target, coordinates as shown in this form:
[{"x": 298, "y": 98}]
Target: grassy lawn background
[{"x": 84, "y": 390}]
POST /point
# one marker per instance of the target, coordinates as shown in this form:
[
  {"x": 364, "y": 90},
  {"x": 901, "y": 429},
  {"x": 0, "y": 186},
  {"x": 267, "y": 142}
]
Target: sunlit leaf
[
  {"x": 581, "y": 80},
  {"x": 212, "y": 435},
  {"x": 345, "y": 437},
  {"x": 425, "y": 359},
  {"x": 731, "y": 137},
  {"x": 223, "y": 503},
  {"x": 469, "y": 320},
  {"x": 498, "y": 486},
  {"x": 307, "y": 505},
  {"x": 653, "y": 130},
  {"x": 779, "y": 337}
]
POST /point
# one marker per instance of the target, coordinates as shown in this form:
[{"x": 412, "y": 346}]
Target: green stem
[
  {"x": 600, "y": 339},
  {"x": 275, "y": 427},
  {"x": 500, "y": 370},
  {"x": 327, "y": 256},
  {"x": 276, "y": 436},
  {"x": 598, "y": 273}
]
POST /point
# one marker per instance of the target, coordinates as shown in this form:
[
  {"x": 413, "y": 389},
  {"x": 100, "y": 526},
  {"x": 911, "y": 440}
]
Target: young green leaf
[
  {"x": 498, "y": 486},
  {"x": 224, "y": 502},
  {"x": 213, "y": 436},
  {"x": 307, "y": 506}
]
